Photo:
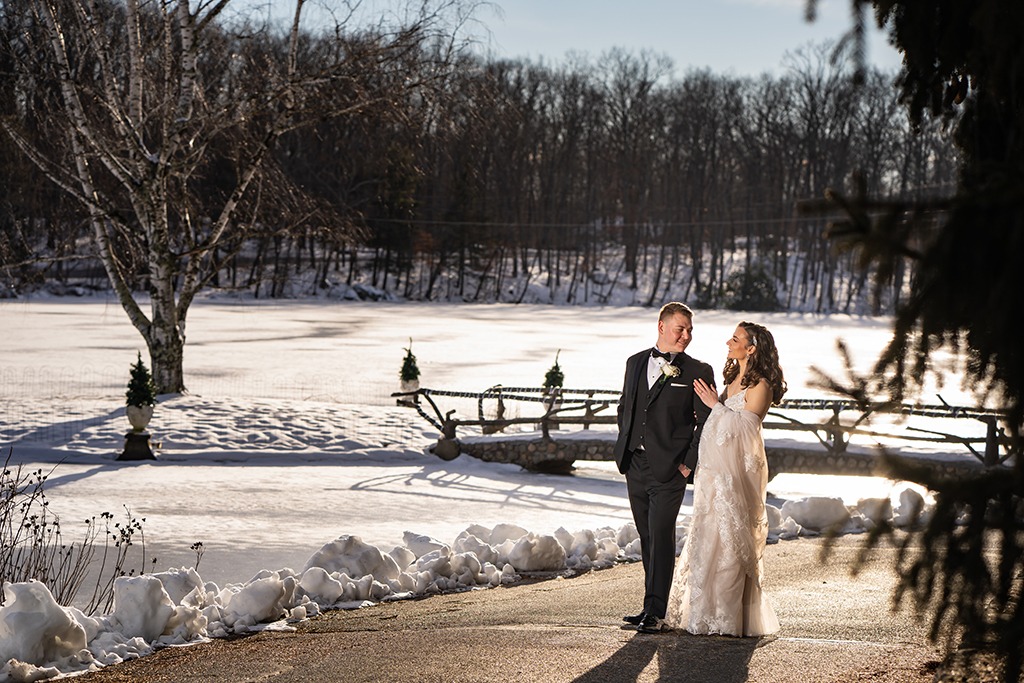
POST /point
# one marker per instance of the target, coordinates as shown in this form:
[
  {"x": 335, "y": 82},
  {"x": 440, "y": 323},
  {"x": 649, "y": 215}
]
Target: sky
[
  {"x": 737, "y": 37},
  {"x": 288, "y": 448},
  {"x": 741, "y": 37}
]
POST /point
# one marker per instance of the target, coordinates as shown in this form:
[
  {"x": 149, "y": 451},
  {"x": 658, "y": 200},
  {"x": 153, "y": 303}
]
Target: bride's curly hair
[{"x": 764, "y": 364}]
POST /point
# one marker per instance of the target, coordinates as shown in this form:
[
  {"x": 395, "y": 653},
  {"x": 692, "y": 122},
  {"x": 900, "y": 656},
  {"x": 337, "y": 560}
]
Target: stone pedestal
[{"x": 136, "y": 447}]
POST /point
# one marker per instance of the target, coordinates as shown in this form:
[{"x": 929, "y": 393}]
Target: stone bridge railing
[{"x": 573, "y": 412}]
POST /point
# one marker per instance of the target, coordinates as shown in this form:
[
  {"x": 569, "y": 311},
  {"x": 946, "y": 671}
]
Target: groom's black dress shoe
[
  {"x": 651, "y": 624},
  {"x": 634, "y": 619}
]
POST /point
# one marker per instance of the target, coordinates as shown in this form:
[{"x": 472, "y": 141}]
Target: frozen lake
[{"x": 289, "y": 436}]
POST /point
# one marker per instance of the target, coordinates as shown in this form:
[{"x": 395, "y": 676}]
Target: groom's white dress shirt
[{"x": 654, "y": 366}]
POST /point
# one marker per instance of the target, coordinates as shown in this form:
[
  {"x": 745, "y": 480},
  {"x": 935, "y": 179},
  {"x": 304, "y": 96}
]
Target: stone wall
[{"x": 558, "y": 455}]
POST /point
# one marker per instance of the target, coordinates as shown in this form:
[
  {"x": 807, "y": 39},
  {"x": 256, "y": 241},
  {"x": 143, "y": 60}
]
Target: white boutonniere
[{"x": 669, "y": 370}]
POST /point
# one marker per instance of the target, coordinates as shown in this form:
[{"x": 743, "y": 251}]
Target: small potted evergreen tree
[
  {"x": 139, "y": 401},
  {"x": 554, "y": 377},
  {"x": 409, "y": 374},
  {"x": 553, "y": 380},
  {"x": 140, "y": 397}
]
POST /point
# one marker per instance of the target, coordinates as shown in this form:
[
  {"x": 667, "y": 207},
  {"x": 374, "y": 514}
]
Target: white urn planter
[
  {"x": 408, "y": 385},
  {"x": 139, "y": 416}
]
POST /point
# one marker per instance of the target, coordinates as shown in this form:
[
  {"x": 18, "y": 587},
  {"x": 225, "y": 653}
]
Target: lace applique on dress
[
  {"x": 737, "y": 400},
  {"x": 719, "y": 427},
  {"x": 752, "y": 459}
]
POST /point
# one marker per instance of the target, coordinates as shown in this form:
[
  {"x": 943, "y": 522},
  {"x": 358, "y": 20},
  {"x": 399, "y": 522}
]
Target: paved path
[{"x": 835, "y": 627}]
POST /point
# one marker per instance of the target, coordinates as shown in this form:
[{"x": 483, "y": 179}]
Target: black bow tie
[{"x": 658, "y": 354}]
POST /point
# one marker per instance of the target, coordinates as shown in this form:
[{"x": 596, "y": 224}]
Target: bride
[{"x": 717, "y": 584}]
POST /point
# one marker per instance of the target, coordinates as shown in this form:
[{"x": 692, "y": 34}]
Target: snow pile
[
  {"x": 41, "y": 639},
  {"x": 813, "y": 515}
]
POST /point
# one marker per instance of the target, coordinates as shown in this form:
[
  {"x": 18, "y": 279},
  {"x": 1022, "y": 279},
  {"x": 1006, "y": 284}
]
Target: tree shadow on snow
[
  {"x": 61, "y": 431},
  {"x": 547, "y": 492}
]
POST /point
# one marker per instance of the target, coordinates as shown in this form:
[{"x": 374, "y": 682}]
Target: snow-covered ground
[{"x": 305, "y": 483}]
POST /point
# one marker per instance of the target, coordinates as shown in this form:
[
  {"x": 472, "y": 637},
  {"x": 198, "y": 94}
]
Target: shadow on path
[{"x": 681, "y": 658}]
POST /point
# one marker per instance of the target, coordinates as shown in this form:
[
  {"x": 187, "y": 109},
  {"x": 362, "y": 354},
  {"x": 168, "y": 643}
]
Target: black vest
[{"x": 639, "y": 425}]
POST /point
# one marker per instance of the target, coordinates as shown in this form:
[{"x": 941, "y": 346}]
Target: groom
[{"x": 660, "y": 421}]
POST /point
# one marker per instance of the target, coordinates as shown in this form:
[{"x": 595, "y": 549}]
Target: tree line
[
  {"x": 615, "y": 170},
  {"x": 479, "y": 179}
]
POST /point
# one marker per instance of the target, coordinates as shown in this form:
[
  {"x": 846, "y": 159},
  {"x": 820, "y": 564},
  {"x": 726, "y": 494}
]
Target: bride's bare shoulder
[{"x": 759, "y": 398}]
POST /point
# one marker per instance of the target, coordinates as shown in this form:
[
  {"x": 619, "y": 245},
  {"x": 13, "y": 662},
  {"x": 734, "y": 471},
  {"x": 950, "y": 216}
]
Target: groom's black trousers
[{"x": 655, "y": 507}]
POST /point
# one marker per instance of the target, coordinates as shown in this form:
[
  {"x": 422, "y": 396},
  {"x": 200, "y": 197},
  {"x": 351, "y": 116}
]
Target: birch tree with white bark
[{"x": 160, "y": 118}]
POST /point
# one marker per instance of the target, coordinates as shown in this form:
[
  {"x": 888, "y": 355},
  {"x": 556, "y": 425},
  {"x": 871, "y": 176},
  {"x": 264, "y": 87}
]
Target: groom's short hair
[{"x": 673, "y": 307}]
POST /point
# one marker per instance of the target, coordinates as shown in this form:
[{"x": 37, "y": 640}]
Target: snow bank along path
[{"x": 41, "y": 639}]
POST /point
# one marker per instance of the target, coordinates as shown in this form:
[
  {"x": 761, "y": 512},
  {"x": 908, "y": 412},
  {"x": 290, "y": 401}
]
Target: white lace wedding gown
[{"x": 717, "y": 583}]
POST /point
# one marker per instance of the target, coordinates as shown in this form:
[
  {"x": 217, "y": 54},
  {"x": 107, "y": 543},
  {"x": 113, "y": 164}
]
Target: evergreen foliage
[
  {"x": 141, "y": 389},
  {"x": 410, "y": 372},
  {"x": 554, "y": 376},
  {"x": 753, "y": 289},
  {"x": 963, "y": 61}
]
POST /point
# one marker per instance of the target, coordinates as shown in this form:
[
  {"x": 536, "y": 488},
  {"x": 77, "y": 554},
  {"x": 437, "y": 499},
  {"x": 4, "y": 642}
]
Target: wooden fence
[{"x": 831, "y": 421}]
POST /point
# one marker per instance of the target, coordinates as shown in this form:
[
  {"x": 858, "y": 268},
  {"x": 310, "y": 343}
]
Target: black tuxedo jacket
[{"x": 675, "y": 415}]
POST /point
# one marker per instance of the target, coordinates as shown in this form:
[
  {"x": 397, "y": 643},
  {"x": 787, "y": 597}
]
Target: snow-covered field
[{"x": 289, "y": 440}]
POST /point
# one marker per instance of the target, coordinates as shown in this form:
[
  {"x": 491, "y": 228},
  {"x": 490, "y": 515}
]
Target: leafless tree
[{"x": 168, "y": 115}]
